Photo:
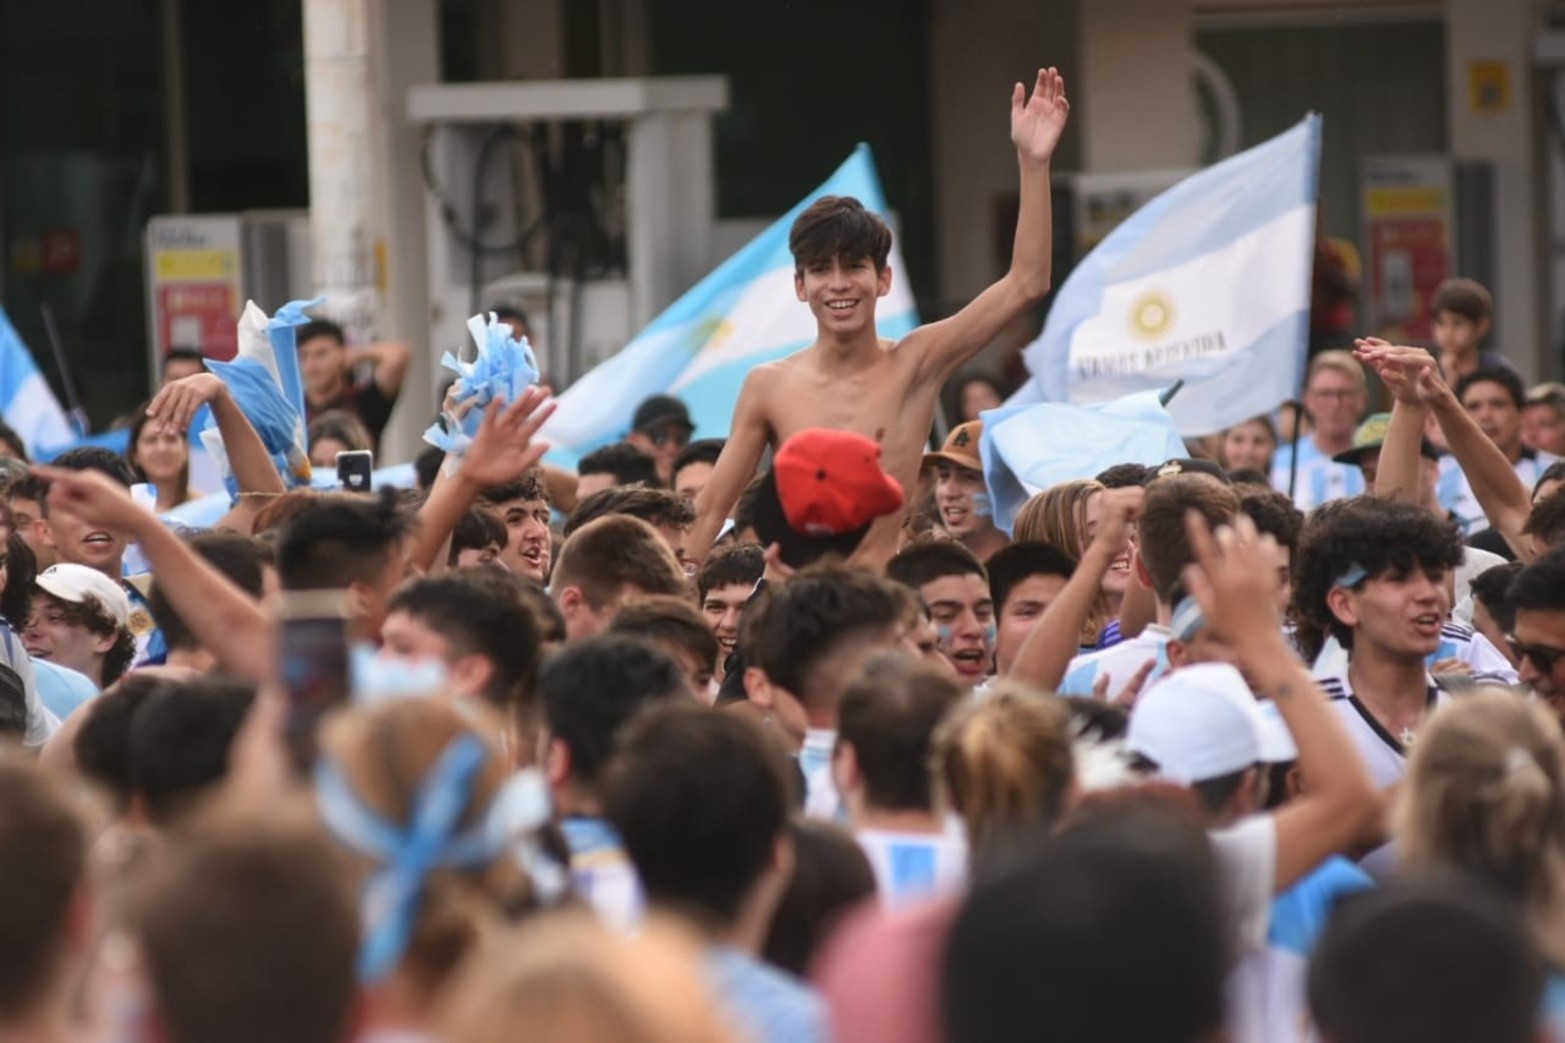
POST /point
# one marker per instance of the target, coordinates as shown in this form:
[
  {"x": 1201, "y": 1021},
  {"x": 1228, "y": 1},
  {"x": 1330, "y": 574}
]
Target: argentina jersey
[
  {"x": 1320, "y": 479},
  {"x": 1455, "y": 492},
  {"x": 601, "y": 873},
  {"x": 821, "y": 800},
  {"x": 913, "y": 866},
  {"x": 1487, "y": 663},
  {"x": 1119, "y": 663}
]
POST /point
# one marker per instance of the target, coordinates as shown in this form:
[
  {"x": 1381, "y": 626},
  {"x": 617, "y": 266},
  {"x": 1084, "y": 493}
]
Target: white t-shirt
[
  {"x": 1120, "y": 662},
  {"x": 1460, "y": 642},
  {"x": 1246, "y": 855},
  {"x": 821, "y": 799},
  {"x": 912, "y": 866}
]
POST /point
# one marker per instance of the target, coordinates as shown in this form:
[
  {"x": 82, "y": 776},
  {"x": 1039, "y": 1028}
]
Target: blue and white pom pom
[{"x": 504, "y": 368}]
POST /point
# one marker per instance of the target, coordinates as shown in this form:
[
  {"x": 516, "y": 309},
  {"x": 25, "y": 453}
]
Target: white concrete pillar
[
  {"x": 366, "y": 196},
  {"x": 1489, "y": 87},
  {"x": 1136, "y": 107}
]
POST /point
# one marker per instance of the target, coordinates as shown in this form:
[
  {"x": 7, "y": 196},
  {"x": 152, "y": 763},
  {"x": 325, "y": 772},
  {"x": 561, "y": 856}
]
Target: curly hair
[{"x": 1376, "y": 536}]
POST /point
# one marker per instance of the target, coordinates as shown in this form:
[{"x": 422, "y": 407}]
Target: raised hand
[
  {"x": 177, "y": 403},
  {"x": 1412, "y": 375},
  {"x": 1037, "y": 122},
  {"x": 94, "y": 497},
  {"x": 1121, "y": 508},
  {"x": 1234, "y": 579},
  {"x": 503, "y": 449}
]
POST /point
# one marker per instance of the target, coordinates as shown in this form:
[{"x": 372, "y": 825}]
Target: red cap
[{"x": 830, "y": 482}]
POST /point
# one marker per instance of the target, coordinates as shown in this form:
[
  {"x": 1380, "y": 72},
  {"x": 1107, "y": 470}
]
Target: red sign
[{"x": 199, "y": 315}]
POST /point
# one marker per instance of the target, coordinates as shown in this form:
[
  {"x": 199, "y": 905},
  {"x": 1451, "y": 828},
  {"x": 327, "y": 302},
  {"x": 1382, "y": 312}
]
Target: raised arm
[
  {"x": 223, "y": 618},
  {"x": 176, "y": 405},
  {"x": 390, "y": 359},
  {"x": 1505, "y": 499},
  {"x": 1236, "y": 586},
  {"x": 1055, "y": 638},
  {"x": 1036, "y": 125},
  {"x": 748, "y": 436}
]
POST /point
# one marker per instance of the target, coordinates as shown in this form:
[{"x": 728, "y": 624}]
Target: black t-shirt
[{"x": 366, "y": 401}]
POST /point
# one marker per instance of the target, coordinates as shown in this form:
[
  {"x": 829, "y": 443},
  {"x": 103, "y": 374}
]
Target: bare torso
[{"x": 880, "y": 398}]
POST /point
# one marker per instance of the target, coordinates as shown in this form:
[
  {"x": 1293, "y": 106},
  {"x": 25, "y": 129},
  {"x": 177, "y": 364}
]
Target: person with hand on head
[
  {"x": 159, "y": 455},
  {"x": 851, "y": 378},
  {"x": 326, "y": 363},
  {"x": 961, "y": 495}
]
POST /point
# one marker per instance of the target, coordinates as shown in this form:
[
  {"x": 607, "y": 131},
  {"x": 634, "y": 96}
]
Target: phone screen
[
  {"x": 355, "y": 469},
  {"x": 315, "y": 673}
]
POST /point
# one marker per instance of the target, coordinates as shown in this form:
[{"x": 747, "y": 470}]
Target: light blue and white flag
[
  {"x": 1209, "y": 283},
  {"x": 26, "y": 400},
  {"x": 1026, "y": 448},
  {"x": 743, "y": 314}
]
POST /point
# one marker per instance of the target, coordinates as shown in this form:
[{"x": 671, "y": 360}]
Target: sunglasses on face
[
  {"x": 1543, "y": 656},
  {"x": 676, "y": 435}
]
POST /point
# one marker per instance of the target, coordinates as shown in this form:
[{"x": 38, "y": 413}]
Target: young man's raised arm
[
  {"x": 1235, "y": 584},
  {"x": 1036, "y": 125},
  {"x": 748, "y": 436}
]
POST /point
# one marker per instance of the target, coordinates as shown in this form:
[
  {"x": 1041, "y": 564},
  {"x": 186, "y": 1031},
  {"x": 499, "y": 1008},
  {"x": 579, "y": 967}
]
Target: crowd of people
[{"x": 1263, "y": 743}]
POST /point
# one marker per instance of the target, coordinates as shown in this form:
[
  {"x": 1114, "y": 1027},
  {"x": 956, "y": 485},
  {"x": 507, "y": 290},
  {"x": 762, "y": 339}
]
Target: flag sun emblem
[{"x": 1151, "y": 315}]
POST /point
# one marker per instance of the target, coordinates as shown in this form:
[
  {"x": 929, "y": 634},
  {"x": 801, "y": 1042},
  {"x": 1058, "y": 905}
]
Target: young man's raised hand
[
  {"x": 1037, "y": 122},
  {"x": 503, "y": 449}
]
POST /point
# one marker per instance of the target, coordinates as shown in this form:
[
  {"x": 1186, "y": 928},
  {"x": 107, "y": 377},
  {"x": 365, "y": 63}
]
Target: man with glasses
[
  {"x": 1335, "y": 398},
  {"x": 661, "y": 428},
  {"x": 1538, "y": 639}
]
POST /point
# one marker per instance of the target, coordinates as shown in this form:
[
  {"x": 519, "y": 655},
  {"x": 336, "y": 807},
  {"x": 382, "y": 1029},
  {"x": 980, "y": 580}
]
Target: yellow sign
[
  {"x": 196, "y": 264},
  {"x": 1489, "y": 87}
]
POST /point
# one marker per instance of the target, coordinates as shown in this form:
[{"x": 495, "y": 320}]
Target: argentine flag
[
  {"x": 1209, "y": 283},
  {"x": 700, "y": 348},
  {"x": 26, "y": 400}
]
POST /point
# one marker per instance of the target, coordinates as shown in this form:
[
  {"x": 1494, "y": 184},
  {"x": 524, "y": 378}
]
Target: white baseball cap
[
  {"x": 1202, "y": 722},
  {"x": 73, "y": 582}
]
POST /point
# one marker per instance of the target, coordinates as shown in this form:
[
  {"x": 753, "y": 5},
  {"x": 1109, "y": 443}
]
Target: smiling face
[
  {"x": 1249, "y": 445},
  {"x": 78, "y": 543},
  {"x": 1400, "y": 616},
  {"x": 841, "y": 294},
  {"x": 51, "y": 636},
  {"x": 963, "y": 501},
  {"x": 722, "y": 608},
  {"x": 963, "y": 614},
  {"x": 161, "y": 453},
  {"x": 1118, "y": 576}
]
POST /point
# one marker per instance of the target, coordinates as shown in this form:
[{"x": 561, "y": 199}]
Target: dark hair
[
  {"x": 653, "y": 506},
  {"x": 796, "y": 625},
  {"x": 701, "y": 451},
  {"x": 731, "y": 565},
  {"x": 1546, "y": 522},
  {"x": 1096, "y": 720},
  {"x": 20, "y": 575},
  {"x": 1273, "y": 513},
  {"x": 103, "y": 743},
  {"x": 830, "y": 877},
  {"x": 183, "y": 353},
  {"x": 178, "y": 738},
  {"x": 320, "y": 328},
  {"x": 427, "y": 464},
  {"x": 240, "y": 559},
  {"x": 95, "y": 617},
  {"x": 511, "y": 313},
  {"x": 248, "y": 932},
  {"x": 43, "y": 845},
  {"x": 668, "y": 621},
  {"x": 1464, "y": 297},
  {"x": 29, "y": 486},
  {"x": 341, "y": 540},
  {"x": 838, "y": 226},
  {"x": 744, "y": 509},
  {"x": 96, "y": 458},
  {"x": 605, "y": 555},
  {"x": 1540, "y": 585},
  {"x": 589, "y": 690},
  {"x": 1437, "y": 960},
  {"x": 934, "y": 559},
  {"x": 1378, "y": 536},
  {"x": 476, "y": 619},
  {"x": 1555, "y": 472},
  {"x": 628, "y": 465},
  {"x": 477, "y": 529},
  {"x": 340, "y": 425},
  {"x": 529, "y": 486},
  {"x": 1124, "y": 476},
  {"x": 1011, "y": 565},
  {"x": 1164, "y": 548},
  {"x": 888, "y": 715},
  {"x": 1124, "y": 904},
  {"x": 1492, "y": 589},
  {"x": 700, "y": 800},
  {"x": 1507, "y": 379},
  {"x": 138, "y": 423},
  {"x": 13, "y": 441}
]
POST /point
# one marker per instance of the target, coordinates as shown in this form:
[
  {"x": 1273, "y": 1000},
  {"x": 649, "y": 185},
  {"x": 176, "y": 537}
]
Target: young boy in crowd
[
  {"x": 607, "y": 562},
  {"x": 961, "y": 496},
  {"x": 523, "y": 505},
  {"x": 950, "y": 580},
  {"x": 1024, "y": 580},
  {"x": 1493, "y": 397},
  {"x": 850, "y": 378},
  {"x": 81, "y": 621},
  {"x": 1537, "y": 596},
  {"x": 1461, "y": 313},
  {"x": 724, "y": 586},
  {"x": 677, "y": 627},
  {"x": 881, "y": 767}
]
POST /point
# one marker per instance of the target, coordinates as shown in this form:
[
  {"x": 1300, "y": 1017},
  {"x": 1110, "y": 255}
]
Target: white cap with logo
[
  {"x": 72, "y": 583},
  {"x": 1202, "y": 722}
]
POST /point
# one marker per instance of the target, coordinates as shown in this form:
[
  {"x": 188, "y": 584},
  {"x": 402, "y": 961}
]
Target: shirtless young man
[{"x": 850, "y": 379}]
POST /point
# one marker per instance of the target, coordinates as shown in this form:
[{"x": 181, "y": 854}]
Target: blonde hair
[
  {"x": 1485, "y": 793},
  {"x": 385, "y": 751},
  {"x": 566, "y": 977},
  {"x": 1058, "y": 516},
  {"x": 1005, "y": 763},
  {"x": 1341, "y": 361}
]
